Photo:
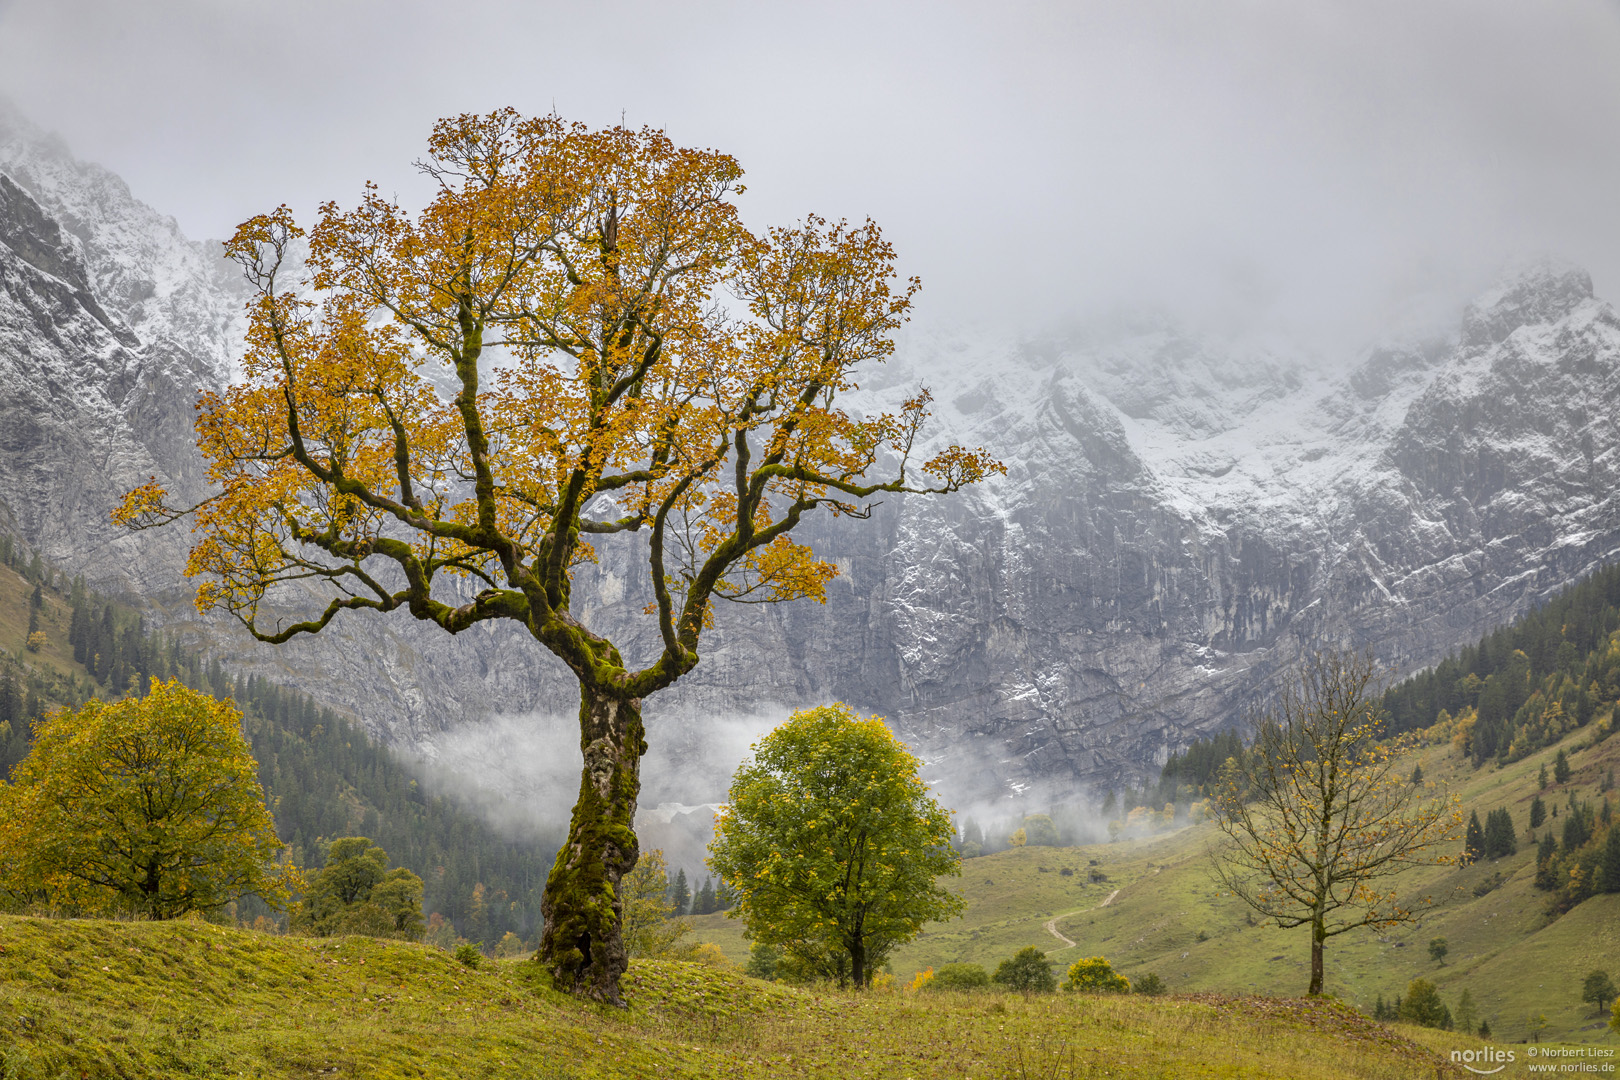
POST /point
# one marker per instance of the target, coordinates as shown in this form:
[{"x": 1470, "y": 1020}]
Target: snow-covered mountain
[{"x": 1181, "y": 519}]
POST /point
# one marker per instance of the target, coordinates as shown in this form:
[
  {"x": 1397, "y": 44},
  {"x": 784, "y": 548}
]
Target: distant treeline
[
  {"x": 1555, "y": 660},
  {"x": 1517, "y": 690},
  {"x": 324, "y": 776}
]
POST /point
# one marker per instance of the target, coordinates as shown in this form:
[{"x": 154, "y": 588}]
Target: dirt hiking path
[{"x": 1051, "y": 924}]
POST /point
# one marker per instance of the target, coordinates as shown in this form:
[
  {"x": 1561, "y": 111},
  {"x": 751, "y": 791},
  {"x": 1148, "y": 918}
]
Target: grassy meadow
[{"x": 89, "y": 999}]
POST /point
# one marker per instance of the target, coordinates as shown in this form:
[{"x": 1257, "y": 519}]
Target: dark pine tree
[
  {"x": 1538, "y": 812},
  {"x": 1608, "y": 873},
  {"x": 680, "y": 894},
  {"x": 1500, "y": 840},
  {"x": 705, "y": 904},
  {"x": 1578, "y": 826}
]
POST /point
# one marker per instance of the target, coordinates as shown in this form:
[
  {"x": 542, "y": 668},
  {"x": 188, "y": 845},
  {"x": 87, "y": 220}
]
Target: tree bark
[
  {"x": 1318, "y": 936},
  {"x": 583, "y": 944}
]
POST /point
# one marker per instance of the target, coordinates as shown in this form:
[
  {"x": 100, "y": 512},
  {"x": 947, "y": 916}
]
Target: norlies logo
[{"x": 1488, "y": 1055}]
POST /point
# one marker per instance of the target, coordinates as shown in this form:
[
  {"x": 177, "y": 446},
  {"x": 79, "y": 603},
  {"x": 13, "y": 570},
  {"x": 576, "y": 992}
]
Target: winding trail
[{"x": 1051, "y": 924}]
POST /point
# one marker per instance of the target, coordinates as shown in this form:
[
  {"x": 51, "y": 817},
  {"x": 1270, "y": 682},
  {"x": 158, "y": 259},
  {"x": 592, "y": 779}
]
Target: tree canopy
[
  {"x": 575, "y": 341},
  {"x": 832, "y": 845},
  {"x": 356, "y": 893},
  {"x": 1316, "y": 816},
  {"x": 149, "y": 805}
]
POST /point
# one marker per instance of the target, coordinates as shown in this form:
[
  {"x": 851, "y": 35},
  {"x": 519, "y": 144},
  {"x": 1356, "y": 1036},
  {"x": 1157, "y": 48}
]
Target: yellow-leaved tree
[
  {"x": 149, "y": 806},
  {"x": 622, "y": 357},
  {"x": 1318, "y": 816}
]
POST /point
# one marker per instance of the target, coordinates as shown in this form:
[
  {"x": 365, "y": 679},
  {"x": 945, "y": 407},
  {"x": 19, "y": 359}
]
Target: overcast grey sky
[{"x": 1333, "y": 163}]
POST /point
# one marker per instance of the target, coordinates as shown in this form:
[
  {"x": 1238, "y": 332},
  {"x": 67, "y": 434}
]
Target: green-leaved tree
[
  {"x": 356, "y": 893},
  {"x": 1598, "y": 990},
  {"x": 831, "y": 843},
  {"x": 1026, "y": 971},
  {"x": 1422, "y": 1005}
]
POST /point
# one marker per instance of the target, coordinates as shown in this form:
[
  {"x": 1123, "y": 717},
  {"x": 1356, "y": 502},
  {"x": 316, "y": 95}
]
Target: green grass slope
[
  {"x": 102, "y": 999},
  {"x": 1516, "y": 962}
]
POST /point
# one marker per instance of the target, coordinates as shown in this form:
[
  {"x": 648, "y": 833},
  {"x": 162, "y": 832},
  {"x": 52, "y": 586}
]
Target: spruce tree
[
  {"x": 79, "y": 631},
  {"x": 1500, "y": 840},
  {"x": 11, "y": 703},
  {"x": 1561, "y": 769},
  {"x": 1541, "y": 777},
  {"x": 680, "y": 894},
  {"x": 705, "y": 902},
  {"x": 1538, "y": 812},
  {"x": 1417, "y": 774},
  {"x": 1577, "y": 827},
  {"x": 1608, "y": 870},
  {"x": 1473, "y": 840},
  {"x": 1544, "y": 861}
]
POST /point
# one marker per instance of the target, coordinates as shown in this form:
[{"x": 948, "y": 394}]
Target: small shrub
[
  {"x": 1203, "y": 935},
  {"x": 1095, "y": 975},
  {"x": 469, "y": 956},
  {"x": 959, "y": 977},
  {"x": 1027, "y": 972},
  {"x": 510, "y": 947},
  {"x": 1067, "y": 871},
  {"x": 1150, "y": 984},
  {"x": 709, "y": 955},
  {"x": 36, "y": 641},
  {"x": 920, "y": 981}
]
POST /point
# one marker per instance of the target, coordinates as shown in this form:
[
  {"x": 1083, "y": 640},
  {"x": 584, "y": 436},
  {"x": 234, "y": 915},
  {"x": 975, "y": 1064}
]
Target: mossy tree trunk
[{"x": 583, "y": 943}]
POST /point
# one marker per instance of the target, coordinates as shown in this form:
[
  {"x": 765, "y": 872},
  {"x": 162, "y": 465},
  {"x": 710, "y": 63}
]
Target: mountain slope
[{"x": 1182, "y": 518}]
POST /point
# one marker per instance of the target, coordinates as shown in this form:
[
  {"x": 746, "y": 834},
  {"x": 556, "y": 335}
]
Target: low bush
[
  {"x": 1150, "y": 984},
  {"x": 959, "y": 977},
  {"x": 1095, "y": 975},
  {"x": 1026, "y": 972}
]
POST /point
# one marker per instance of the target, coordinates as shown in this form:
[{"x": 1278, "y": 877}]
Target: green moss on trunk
[{"x": 582, "y": 944}]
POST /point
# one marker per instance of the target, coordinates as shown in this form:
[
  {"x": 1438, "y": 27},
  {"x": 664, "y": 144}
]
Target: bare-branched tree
[{"x": 1318, "y": 818}]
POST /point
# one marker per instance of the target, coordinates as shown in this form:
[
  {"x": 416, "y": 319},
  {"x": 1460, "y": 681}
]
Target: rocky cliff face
[{"x": 1179, "y": 522}]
